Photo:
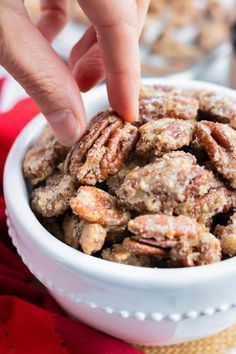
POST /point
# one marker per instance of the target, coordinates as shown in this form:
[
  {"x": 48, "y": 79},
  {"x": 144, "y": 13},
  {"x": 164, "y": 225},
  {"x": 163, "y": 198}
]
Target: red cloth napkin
[{"x": 31, "y": 322}]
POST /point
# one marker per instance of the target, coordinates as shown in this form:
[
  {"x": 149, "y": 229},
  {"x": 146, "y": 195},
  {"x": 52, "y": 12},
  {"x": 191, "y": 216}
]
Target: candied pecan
[
  {"x": 41, "y": 160},
  {"x": 118, "y": 149},
  {"x": 72, "y": 230},
  {"x": 163, "y": 185},
  {"x": 142, "y": 249},
  {"x": 189, "y": 241},
  {"x": 92, "y": 237},
  {"x": 219, "y": 141},
  {"x": 98, "y": 206},
  {"x": 203, "y": 208},
  {"x": 227, "y": 236},
  {"x": 217, "y": 107},
  {"x": 103, "y": 150},
  {"x": 117, "y": 253},
  {"x": 114, "y": 182},
  {"x": 89, "y": 237},
  {"x": 164, "y": 135},
  {"x": 166, "y": 104},
  {"x": 159, "y": 229},
  {"x": 53, "y": 199},
  {"x": 205, "y": 250}
]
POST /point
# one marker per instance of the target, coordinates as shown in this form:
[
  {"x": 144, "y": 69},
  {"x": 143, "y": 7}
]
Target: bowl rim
[{"x": 19, "y": 210}]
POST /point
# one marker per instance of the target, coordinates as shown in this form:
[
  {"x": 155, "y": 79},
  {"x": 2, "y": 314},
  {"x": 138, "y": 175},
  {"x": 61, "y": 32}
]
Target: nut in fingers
[{"x": 102, "y": 151}]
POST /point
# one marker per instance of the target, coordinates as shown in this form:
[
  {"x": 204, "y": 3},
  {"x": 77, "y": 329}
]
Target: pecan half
[
  {"x": 159, "y": 229},
  {"x": 72, "y": 230},
  {"x": 203, "y": 208},
  {"x": 53, "y": 199},
  {"x": 117, "y": 253},
  {"x": 155, "y": 104},
  {"x": 164, "y": 135},
  {"x": 92, "y": 237},
  {"x": 142, "y": 249},
  {"x": 102, "y": 151},
  {"x": 41, "y": 160},
  {"x": 219, "y": 141},
  {"x": 205, "y": 250},
  {"x": 163, "y": 185},
  {"x": 98, "y": 206},
  {"x": 114, "y": 182},
  {"x": 81, "y": 234},
  {"x": 189, "y": 241},
  {"x": 227, "y": 236},
  {"x": 217, "y": 107}
]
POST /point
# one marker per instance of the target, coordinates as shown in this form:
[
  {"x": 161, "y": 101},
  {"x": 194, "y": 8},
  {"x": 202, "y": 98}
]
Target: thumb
[{"x": 28, "y": 57}]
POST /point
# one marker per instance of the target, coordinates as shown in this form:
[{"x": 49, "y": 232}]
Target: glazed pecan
[
  {"x": 219, "y": 141},
  {"x": 102, "y": 151},
  {"x": 164, "y": 135},
  {"x": 117, "y": 253},
  {"x": 82, "y": 234},
  {"x": 142, "y": 249},
  {"x": 114, "y": 182},
  {"x": 203, "y": 208},
  {"x": 160, "y": 104},
  {"x": 163, "y": 185},
  {"x": 53, "y": 199},
  {"x": 227, "y": 236},
  {"x": 205, "y": 250},
  {"x": 92, "y": 237},
  {"x": 217, "y": 107},
  {"x": 164, "y": 230},
  {"x": 189, "y": 241},
  {"x": 41, "y": 160},
  {"x": 72, "y": 230},
  {"x": 98, "y": 206}
]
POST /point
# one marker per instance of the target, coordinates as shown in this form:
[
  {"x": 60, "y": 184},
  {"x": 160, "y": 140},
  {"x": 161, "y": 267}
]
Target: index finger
[{"x": 118, "y": 40}]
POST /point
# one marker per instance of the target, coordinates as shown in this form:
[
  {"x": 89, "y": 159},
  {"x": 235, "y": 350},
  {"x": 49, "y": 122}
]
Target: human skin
[{"x": 109, "y": 48}]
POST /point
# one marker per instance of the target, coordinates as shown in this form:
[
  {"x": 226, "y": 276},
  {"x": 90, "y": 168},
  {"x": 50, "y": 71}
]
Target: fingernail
[{"x": 65, "y": 127}]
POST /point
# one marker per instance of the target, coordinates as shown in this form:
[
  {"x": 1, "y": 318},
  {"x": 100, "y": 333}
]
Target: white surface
[{"x": 149, "y": 306}]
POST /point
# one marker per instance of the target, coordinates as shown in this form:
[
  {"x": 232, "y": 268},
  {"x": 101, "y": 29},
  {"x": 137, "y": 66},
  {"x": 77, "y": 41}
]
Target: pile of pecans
[{"x": 157, "y": 193}]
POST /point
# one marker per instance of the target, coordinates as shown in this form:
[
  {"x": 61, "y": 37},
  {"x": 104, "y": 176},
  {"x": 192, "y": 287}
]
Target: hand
[{"x": 109, "y": 47}]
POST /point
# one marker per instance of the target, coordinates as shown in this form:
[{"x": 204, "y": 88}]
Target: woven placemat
[{"x": 218, "y": 344}]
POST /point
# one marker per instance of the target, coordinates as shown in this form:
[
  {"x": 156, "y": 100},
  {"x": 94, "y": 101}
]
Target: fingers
[
  {"x": 142, "y": 12},
  {"x": 82, "y": 46},
  {"x": 89, "y": 69},
  {"x": 54, "y": 15},
  {"x": 118, "y": 41},
  {"x": 34, "y": 64}
]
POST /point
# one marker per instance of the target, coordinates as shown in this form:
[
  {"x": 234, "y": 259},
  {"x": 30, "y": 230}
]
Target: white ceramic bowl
[{"x": 141, "y": 305}]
